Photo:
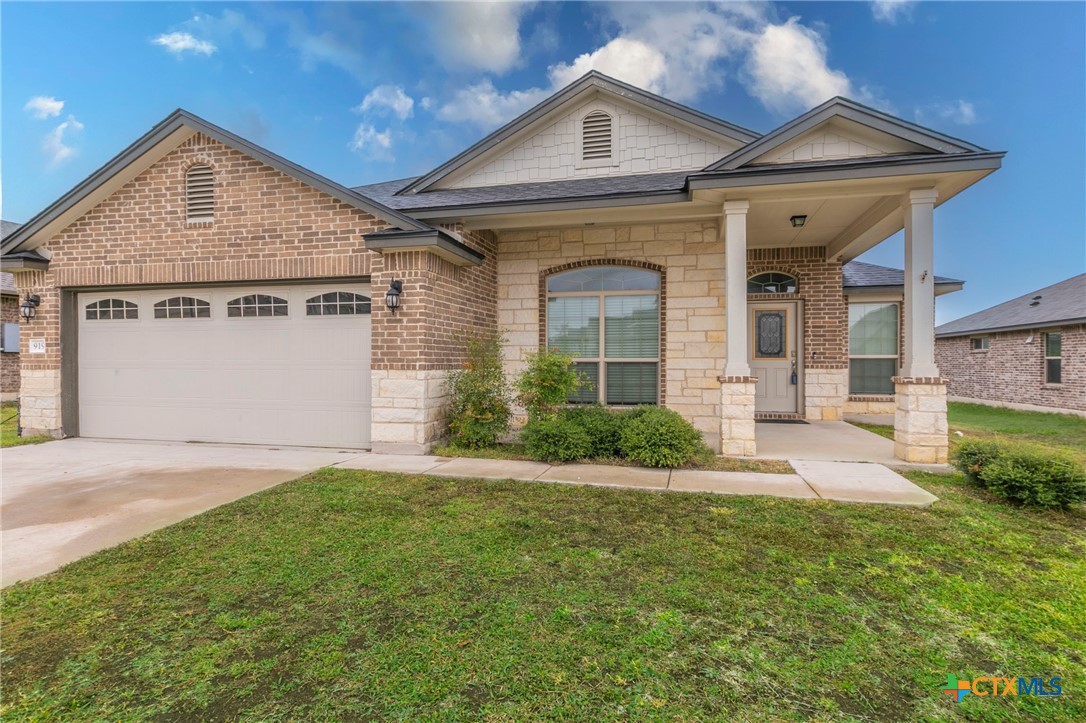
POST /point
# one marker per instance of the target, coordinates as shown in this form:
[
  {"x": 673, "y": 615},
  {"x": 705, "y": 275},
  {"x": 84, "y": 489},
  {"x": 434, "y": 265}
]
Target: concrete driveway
[{"x": 64, "y": 500}]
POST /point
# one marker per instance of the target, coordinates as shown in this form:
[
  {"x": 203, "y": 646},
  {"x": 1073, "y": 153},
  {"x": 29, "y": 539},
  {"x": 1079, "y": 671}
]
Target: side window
[
  {"x": 337, "y": 303},
  {"x": 1054, "y": 358},
  {"x": 256, "y": 305},
  {"x": 182, "y": 307},
  {"x": 112, "y": 309}
]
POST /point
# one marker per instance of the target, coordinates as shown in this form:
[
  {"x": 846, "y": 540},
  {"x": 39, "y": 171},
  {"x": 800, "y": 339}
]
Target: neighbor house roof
[
  {"x": 862, "y": 276},
  {"x": 1062, "y": 303}
]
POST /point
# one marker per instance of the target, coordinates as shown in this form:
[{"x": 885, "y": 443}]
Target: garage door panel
[{"x": 292, "y": 379}]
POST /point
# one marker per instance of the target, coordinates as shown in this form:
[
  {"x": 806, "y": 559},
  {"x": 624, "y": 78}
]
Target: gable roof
[
  {"x": 848, "y": 110},
  {"x": 1061, "y": 303},
  {"x": 164, "y": 137},
  {"x": 860, "y": 275},
  {"x": 593, "y": 80}
]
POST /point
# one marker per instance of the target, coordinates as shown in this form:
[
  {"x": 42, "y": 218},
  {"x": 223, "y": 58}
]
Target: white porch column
[
  {"x": 735, "y": 284},
  {"x": 920, "y": 426},
  {"x": 920, "y": 285},
  {"x": 736, "y": 385}
]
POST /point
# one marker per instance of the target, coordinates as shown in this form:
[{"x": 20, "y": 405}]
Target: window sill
[
  {"x": 1052, "y": 385},
  {"x": 871, "y": 397}
]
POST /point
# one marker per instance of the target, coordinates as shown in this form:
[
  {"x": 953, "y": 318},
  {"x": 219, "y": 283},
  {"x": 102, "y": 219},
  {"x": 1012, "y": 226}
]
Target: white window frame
[
  {"x": 985, "y": 343},
  {"x": 1047, "y": 358},
  {"x": 896, "y": 356},
  {"x": 602, "y": 360}
]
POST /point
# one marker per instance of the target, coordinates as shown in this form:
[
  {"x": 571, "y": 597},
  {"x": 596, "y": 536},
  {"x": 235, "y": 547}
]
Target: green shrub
[
  {"x": 603, "y": 427},
  {"x": 973, "y": 455},
  {"x": 479, "y": 395},
  {"x": 555, "y": 440},
  {"x": 1023, "y": 474},
  {"x": 544, "y": 387},
  {"x": 658, "y": 437}
]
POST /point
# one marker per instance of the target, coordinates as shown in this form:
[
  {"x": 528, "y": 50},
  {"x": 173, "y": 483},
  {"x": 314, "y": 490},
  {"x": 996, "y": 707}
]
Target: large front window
[
  {"x": 608, "y": 318},
  {"x": 872, "y": 348}
]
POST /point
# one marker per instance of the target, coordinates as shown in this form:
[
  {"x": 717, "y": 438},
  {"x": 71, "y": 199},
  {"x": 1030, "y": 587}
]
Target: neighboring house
[
  {"x": 1029, "y": 352},
  {"x": 9, "y": 328},
  {"x": 199, "y": 287}
]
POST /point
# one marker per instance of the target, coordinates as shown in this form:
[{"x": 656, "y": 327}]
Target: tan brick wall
[
  {"x": 1012, "y": 371},
  {"x": 9, "y": 361}
]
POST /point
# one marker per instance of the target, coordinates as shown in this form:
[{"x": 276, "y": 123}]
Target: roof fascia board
[
  {"x": 942, "y": 287},
  {"x": 1016, "y": 327},
  {"x": 559, "y": 204},
  {"x": 433, "y": 240},
  {"x": 17, "y": 265},
  {"x": 849, "y": 110},
  {"x": 592, "y": 80},
  {"x": 172, "y": 123}
]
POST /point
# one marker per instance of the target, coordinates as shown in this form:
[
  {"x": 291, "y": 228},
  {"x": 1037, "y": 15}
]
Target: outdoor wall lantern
[
  {"x": 29, "y": 307},
  {"x": 392, "y": 296},
  {"x": 798, "y": 221}
]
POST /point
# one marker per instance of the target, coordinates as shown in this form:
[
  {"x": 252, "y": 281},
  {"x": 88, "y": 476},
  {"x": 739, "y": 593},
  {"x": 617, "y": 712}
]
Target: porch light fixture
[
  {"x": 29, "y": 307},
  {"x": 392, "y": 296},
  {"x": 798, "y": 221}
]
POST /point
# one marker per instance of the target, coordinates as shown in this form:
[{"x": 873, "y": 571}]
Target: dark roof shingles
[
  {"x": 859, "y": 274},
  {"x": 1065, "y": 301}
]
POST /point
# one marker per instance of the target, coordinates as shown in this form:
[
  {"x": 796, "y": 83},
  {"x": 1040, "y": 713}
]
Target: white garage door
[{"x": 261, "y": 365}]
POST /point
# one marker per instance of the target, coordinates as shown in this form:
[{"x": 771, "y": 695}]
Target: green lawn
[
  {"x": 9, "y": 428},
  {"x": 355, "y": 595}
]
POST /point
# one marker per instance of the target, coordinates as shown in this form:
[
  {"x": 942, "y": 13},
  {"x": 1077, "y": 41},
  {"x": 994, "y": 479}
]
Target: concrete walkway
[{"x": 842, "y": 481}]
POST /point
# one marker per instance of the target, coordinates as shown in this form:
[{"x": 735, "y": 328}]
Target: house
[
  {"x": 1026, "y": 353},
  {"x": 9, "y": 328},
  {"x": 199, "y": 287}
]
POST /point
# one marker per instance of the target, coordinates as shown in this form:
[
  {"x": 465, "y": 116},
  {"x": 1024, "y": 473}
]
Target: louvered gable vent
[
  {"x": 596, "y": 136},
  {"x": 200, "y": 193}
]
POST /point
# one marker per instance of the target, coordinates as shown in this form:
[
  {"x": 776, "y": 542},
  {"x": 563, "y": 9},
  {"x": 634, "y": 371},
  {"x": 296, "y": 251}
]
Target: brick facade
[
  {"x": 1012, "y": 369},
  {"x": 9, "y": 361}
]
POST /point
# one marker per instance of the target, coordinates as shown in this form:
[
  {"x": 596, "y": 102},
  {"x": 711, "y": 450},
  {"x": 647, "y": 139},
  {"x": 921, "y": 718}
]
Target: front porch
[{"x": 825, "y": 441}]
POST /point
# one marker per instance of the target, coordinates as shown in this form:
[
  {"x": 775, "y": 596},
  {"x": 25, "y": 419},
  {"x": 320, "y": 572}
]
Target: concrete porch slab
[
  {"x": 741, "y": 483},
  {"x": 861, "y": 482},
  {"x": 405, "y": 463},
  {"x": 608, "y": 476},
  {"x": 828, "y": 441},
  {"x": 490, "y": 469}
]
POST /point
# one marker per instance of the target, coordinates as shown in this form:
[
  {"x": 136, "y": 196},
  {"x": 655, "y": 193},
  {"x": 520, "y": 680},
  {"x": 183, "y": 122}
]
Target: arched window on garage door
[
  {"x": 337, "y": 303},
  {"x": 183, "y": 307},
  {"x": 256, "y": 305},
  {"x": 112, "y": 309}
]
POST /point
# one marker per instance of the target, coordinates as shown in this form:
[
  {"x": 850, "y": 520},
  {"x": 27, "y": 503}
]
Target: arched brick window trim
[{"x": 545, "y": 273}]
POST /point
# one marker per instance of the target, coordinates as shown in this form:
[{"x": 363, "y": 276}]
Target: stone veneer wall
[
  {"x": 691, "y": 258},
  {"x": 9, "y": 360},
  {"x": 1012, "y": 371},
  {"x": 825, "y": 322}
]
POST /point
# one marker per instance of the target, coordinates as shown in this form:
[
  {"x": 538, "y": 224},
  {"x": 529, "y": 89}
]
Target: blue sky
[{"x": 369, "y": 92}]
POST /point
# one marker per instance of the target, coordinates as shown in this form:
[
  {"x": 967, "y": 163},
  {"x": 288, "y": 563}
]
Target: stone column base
[
  {"x": 408, "y": 410},
  {"x": 824, "y": 392},
  {"x": 737, "y": 416},
  {"x": 920, "y": 426}
]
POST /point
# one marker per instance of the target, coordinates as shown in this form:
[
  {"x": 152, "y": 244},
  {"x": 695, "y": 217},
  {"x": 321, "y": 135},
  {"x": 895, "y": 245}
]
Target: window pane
[
  {"x": 631, "y": 382},
  {"x": 1053, "y": 371},
  {"x": 590, "y": 392},
  {"x": 632, "y": 327},
  {"x": 871, "y": 376},
  {"x": 769, "y": 334},
  {"x": 1053, "y": 344},
  {"x": 872, "y": 329},
  {"x": 771, "y": 282},
  {"x": 604, "y": 278},
  {"x": 573, "y": 325}
]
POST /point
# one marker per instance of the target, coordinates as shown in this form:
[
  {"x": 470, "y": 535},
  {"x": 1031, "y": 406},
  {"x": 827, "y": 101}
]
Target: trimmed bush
[
  {"x": 479, "y": 408},
  {"x": 659, "y": 437},
  {"x": 1022, "y": 474},
  {"x": 555, "y": 440},
  {"x": 546, "y": 384},
  {"x": 603, "y": 427}
]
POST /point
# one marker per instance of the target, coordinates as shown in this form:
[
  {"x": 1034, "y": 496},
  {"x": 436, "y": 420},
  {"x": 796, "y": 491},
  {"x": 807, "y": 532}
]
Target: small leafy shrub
[
  {"x": 603, "y": 427},
  {"x": 547, "y": 382},
  {"x": 973, "y": 455},
  {"x": 479, "y": 409},
  {"x": 555, "y": 440},
  {"x": 659, "y": 437},
  {"x": 1022, "y": 474}
]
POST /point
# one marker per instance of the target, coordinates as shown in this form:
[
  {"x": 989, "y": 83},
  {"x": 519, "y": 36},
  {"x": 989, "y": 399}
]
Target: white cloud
[
  {"x": 224, "y": 27},
  {"x": 486, "y": 106},
  {"x": 44, "y": 106},
  {"x": 55, "y": 143},
  {"x": 180, "y": 43},
  {"x": 477, "y": 35},
  {"x": 789, "y": 71},
  {"x": 376, "y": 144},
  {"x": 388, "y": 98},
  {"x": 626, "y": 59},
  {"x": 958, "y": 111},
  {"x": 890, "y": 11}
]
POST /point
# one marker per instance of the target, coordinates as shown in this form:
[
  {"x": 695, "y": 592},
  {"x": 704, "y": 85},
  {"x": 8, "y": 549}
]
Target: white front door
[{"x": 775, "y": 355}]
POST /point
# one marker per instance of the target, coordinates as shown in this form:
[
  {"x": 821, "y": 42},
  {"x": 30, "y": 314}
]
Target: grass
[
  {"x": 720, "y": 464},
  {"x": 1063, "y": 433},
  {"x": 358, "y": 595},
  {"x": 9, "y": 428}
]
